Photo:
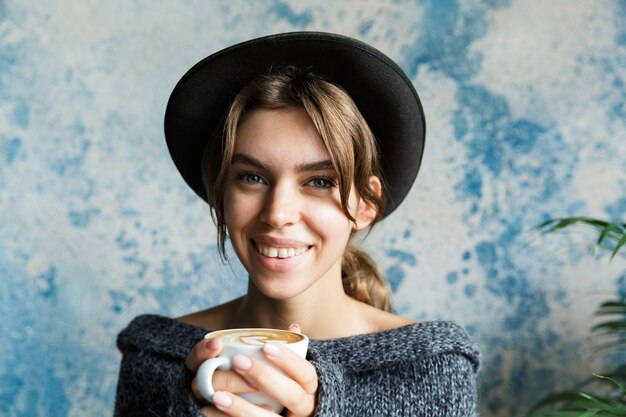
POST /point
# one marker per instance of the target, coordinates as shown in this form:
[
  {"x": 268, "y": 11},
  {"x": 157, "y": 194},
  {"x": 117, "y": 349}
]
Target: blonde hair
[{"x": 349, "y": 141}]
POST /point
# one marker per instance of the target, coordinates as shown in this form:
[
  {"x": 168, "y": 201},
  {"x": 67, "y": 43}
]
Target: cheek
[
  {"x": 330, "y": 220},
  {"x": 236, "y": 211}
]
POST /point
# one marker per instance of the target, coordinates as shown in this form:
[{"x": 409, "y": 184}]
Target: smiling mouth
[{"x": 273, "y": 252}]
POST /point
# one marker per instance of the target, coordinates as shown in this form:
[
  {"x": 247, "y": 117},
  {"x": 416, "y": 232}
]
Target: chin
[{"x": 278, "y": 291}]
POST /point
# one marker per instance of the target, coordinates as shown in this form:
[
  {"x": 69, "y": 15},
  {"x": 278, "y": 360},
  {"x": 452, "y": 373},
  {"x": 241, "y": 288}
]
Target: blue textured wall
[{"x": 526, "y": 109}]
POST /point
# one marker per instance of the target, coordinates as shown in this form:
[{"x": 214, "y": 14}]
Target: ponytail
[{"x": 362, "y": 279}]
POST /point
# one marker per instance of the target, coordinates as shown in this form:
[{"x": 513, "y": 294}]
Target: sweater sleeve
[
  {"x": 331, "y": 386},
  {"x": 150, "y": 385},
  {"x": 448, "y": 386},
  {"x": 434, "y": 385}
]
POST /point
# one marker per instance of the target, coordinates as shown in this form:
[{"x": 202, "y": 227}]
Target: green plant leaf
[
  {"x": 556, "y": 224},
  {"x": 617, "y": 373},
  {"x": 615, "y": 232},
  {"x": 615, "y": 326},
  {"x": 566, "y": 397},
  {"x": 613, "y": 380},
  {"x": 608, "y": 334},
  {"x": 556, "y": 413},
  {"x": 611, "y": 307},
  {"x": 592, "y": 412},
  {"x": 570, "y": 401},
  {"x": 612, "y": 346},
  {"x": 611, "y": 227},
  {"x": 620, "y": 244},
  {"x": 605, "y": 404}
]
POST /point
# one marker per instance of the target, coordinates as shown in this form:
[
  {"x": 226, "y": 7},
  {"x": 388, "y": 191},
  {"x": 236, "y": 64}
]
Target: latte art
[
  {"x": 256, "y": 337},
  {"x": 257, "y": 340}
]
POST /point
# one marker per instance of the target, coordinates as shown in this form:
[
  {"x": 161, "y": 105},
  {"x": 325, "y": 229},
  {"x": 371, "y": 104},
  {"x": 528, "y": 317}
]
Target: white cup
[{"x": 247, "y": 342}]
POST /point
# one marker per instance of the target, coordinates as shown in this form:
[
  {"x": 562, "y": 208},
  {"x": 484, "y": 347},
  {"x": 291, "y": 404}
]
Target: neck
[{"x": 316, "y": 312}]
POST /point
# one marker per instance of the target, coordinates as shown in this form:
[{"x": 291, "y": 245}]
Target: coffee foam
[{"x": 257, "y": 337}]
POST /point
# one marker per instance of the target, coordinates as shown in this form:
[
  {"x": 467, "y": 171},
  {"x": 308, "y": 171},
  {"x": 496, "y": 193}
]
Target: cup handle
[{"x": 204, "y": 376}]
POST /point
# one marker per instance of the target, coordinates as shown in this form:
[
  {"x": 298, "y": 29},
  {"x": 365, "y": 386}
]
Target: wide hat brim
[{"x": 381, "y": 90}]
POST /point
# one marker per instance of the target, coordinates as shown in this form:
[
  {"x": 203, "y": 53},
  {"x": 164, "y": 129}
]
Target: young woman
[{"x": 292, "y": 171}]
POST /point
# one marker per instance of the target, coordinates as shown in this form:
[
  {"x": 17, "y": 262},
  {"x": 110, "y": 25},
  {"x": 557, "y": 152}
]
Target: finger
[
  {"x": 225, "y": 381},
  {"x": 196, "y": 391},
  {"x": 232, "y": 382},
  {"x": 233, "y": 405},
  {"x": 203, "y": 350},
  {"x": 295, "y": 327},
  {"x": 274, "y": 383},
  {"x": 296, "y": 367}
]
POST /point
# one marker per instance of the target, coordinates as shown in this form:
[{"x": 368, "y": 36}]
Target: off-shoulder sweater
[{"x": 422, "y": 369}]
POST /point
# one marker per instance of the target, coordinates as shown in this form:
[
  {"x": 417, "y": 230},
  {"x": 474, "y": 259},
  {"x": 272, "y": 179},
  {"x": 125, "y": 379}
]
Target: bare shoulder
[
  {"x": 214, "y": 318},
  {"x": 380, "y": 320}
]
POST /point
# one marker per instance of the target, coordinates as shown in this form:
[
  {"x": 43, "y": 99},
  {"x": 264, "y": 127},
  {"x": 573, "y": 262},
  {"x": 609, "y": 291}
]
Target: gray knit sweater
[{"x": 425, "y": 369}]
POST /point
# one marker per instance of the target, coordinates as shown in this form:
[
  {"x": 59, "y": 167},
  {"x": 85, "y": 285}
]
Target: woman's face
[{"x": 282, "y": 207}]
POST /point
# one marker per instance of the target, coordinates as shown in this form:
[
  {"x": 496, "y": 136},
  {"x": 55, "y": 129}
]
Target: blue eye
[
  {"x": 322, "y": 182},
  {"x": 250, "y": 178}
]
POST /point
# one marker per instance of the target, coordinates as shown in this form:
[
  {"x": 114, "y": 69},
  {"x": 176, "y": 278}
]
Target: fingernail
[
  {"x": 222, "y": 400},
  {"x": 294, "y": 327},
  {"x": 272, "y": 350},
  {"x": 211, "y": 344},
  {"x": 242, "y": 362}
]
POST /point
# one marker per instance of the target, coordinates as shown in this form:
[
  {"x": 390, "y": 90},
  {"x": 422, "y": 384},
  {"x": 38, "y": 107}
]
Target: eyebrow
[{"x": 322, "y": 165}]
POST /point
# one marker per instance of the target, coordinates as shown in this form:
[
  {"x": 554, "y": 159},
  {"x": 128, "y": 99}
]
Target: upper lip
[{"x": 280, "y": 242}]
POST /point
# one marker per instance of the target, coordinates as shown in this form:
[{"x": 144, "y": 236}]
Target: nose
[{"x": 281, "y": 207}]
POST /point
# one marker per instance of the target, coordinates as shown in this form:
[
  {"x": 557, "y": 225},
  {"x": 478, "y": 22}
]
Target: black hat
[{"x": 382, "y": 92}]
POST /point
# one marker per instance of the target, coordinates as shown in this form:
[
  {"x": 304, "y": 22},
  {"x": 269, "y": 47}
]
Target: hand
[
  {"x": 296, "y": 389},
  {"x": 222, "y": 380}
]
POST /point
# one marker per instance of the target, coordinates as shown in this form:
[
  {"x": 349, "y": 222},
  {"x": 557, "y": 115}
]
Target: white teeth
[{"x": 280, "y": 252}]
